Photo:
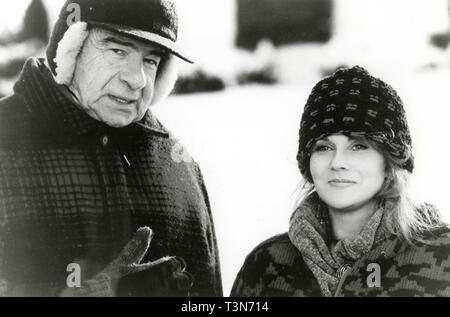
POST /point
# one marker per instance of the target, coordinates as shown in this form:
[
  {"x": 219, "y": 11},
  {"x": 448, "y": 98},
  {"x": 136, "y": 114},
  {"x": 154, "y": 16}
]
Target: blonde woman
[{"x": 355, "y": 230}]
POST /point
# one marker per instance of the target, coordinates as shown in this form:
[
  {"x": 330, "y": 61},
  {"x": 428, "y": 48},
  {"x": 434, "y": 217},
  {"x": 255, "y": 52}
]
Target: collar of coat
[{"x": 56, "y": 111}]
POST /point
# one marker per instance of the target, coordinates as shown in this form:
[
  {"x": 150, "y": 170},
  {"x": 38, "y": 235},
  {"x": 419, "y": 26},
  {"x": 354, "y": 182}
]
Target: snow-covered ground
[{"x": 245, "y": 140}]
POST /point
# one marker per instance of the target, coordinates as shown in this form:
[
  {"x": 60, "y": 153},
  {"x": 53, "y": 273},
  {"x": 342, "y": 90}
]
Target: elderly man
[{"x": 88, "y": 175}]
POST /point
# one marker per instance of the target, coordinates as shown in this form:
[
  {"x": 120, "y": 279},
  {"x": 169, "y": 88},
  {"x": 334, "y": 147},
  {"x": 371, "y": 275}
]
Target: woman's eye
[
  {"x": 358, "y": 147},
  {"x": 321, "y": 148}
]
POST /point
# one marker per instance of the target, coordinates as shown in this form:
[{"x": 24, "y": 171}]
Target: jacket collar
[{"x": 57, "y": 111}]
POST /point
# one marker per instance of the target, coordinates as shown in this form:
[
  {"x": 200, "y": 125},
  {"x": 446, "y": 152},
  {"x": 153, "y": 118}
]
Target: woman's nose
[{"x": 339, "y": 161}]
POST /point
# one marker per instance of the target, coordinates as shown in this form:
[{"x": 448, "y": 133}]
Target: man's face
[{"x": 115, "y": 76}]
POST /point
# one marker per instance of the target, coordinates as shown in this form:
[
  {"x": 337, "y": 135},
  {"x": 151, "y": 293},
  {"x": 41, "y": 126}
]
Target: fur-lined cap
[
  {"x": 71, "y": 45},
  {"x": 153, "y": 21},
  {"x": 150, "y": 21}
]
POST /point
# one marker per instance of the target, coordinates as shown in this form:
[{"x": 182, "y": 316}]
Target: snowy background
[{"x": 245, "y": 136}]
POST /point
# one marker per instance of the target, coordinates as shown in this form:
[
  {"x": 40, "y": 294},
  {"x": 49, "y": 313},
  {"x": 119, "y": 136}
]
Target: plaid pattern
[
  {"x": 276, "y": 268},
  {"x": 75, "y": 190}
]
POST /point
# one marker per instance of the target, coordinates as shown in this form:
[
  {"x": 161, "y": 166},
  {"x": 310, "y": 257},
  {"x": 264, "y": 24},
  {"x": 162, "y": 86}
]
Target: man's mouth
[{"x": 123, "y": 100}]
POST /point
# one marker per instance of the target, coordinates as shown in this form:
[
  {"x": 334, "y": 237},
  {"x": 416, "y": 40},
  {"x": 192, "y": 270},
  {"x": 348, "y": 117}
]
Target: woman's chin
[
  {"x": 348, "y": 205},
  {"x": 340, "y": 206},
  {"x": 339, "y": 200}
]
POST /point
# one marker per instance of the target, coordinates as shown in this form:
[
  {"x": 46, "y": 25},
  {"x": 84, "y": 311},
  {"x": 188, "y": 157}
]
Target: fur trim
[
  {"x": 165, "y": 82},
  {"x": 71, "y": 45},
  {"x": 68, "y": 49}
]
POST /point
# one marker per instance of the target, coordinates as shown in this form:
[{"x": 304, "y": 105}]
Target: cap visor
[{"x": 144, "y": 36}]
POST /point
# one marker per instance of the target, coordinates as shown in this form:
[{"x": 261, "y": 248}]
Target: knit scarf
[{"x": 310, "y": 232}]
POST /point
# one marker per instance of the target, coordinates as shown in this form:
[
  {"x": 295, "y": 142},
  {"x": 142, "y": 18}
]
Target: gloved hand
[{"x": 125, "y": 276}]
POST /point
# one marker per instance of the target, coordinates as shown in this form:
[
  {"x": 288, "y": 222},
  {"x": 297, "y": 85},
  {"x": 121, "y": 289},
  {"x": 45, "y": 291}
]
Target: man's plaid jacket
[{"x": 73, "y": 190}]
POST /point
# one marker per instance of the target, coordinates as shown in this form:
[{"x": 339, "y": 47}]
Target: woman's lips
[{"x": 341, "y": 182}]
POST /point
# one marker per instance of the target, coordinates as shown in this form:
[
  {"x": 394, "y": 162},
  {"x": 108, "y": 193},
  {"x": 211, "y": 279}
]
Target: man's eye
[
  {"x": 359, "y": 146},
  {"x": 151, "y": 62},
  {"x": 118, "y": 51}
]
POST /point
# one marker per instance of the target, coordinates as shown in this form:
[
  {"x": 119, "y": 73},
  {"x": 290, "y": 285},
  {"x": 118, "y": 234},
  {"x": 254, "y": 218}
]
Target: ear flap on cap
[
  {"x": 166, "y": 79},
  {"x": 68, "y": 49}
]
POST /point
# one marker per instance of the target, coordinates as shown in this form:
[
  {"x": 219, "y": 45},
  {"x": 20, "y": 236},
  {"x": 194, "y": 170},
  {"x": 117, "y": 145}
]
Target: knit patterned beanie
[{"x": 354, "y": 103}]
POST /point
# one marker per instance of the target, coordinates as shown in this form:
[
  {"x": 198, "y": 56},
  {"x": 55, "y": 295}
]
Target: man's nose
[
  {"x": 339, "y": 161},
  {"x": 133, "y": 74}
]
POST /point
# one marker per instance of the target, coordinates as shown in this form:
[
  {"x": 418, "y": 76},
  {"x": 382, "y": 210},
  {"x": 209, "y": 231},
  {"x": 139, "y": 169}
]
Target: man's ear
[
  {"x": 166, "y": 79},
  {"x": 68, "y": 50}
]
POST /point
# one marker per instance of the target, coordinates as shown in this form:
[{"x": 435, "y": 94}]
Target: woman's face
[{"x": 347, "y": 172}]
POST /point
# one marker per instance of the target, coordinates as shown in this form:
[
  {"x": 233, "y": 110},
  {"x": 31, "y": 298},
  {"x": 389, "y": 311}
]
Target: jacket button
[{"x": 104, "y": 140}]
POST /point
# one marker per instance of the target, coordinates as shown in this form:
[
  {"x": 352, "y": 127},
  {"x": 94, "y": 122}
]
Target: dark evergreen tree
[
  {"x": 34, "y": 26},
  {"x": 35, "y": 22}
]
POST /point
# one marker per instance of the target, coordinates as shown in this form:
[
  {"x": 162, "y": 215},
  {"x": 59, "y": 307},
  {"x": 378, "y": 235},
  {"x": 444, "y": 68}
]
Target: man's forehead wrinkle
[
  {"x": 101, "y": 33},
  {"x": 101, "y": 38},
  {"x": 114, "y": 40}
]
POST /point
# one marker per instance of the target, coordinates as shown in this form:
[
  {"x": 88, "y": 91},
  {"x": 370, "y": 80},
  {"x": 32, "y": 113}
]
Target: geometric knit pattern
[
  {"x": 73, "y": 190},
  {"x": 356, "y": 104},
  {"x": 276, "y": 268},
  {"x": 307, "y": 261}
]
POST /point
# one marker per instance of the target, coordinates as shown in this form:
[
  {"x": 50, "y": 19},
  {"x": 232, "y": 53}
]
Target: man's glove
[{"x": 125, "y": 276}]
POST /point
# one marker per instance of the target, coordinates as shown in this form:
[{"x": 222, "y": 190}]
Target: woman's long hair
[{"x": 406, "y": 220}]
